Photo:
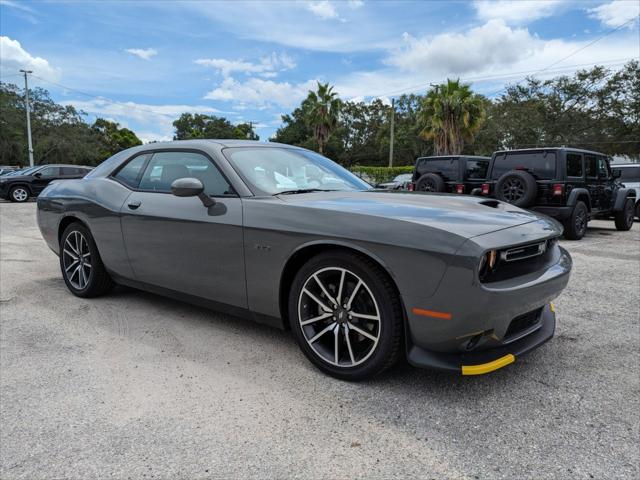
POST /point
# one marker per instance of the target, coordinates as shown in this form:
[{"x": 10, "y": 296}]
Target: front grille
[
  {"x": 526, "y": 251},
  {"x": 522, "y": 323}
]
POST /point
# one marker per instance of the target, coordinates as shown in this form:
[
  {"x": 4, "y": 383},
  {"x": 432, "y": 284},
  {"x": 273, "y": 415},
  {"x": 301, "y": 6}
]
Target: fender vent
[{"x": 490, "y": 203}]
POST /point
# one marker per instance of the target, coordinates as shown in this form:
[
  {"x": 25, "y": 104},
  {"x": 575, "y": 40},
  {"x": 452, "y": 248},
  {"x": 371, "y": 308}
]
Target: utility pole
[
  {"x": 393, "y": 115},
  {"x": 26, "y": 102}
]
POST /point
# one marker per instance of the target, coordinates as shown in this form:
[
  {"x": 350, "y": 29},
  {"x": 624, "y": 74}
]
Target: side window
[
  {"x": 50, "y": 172},
  {"x": 603, "y": 168},
  {"x": 165, "y": 167},
  {"x": 130, "y": 173},
  {"x": 72, "y": 171},
  {"x": 591, "y": 166},
  {"x": 574, "y": 165}
]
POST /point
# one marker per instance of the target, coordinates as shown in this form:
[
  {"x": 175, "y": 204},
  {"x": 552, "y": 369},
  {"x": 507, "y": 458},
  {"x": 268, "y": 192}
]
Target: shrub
[{"x": 375, "y": 175}]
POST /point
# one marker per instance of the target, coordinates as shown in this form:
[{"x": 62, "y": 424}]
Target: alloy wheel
[
  {"x": 76, "y": 259},
  {"x": 427, "y": 186},
  {"x": 513, "y": 189},
  {"x": 580, "y": 221},
  {"x": 339, "y": 317},
  {"x": 19, "y": 194}
]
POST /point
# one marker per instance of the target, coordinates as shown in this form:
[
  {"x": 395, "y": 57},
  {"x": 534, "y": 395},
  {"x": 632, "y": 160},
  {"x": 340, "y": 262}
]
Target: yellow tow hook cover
[{"x": 488, "y": 367}]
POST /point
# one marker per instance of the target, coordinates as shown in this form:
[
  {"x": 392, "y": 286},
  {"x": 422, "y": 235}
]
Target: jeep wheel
[
  {"x": 19, "y": 194},
  {"x": 576, "y": 225},
  {"x": 624, "y": 218},
  {"x": 638, "y": 210},
  {"x": 517, "y": 188},
  {"x": 430, "y": 182}
]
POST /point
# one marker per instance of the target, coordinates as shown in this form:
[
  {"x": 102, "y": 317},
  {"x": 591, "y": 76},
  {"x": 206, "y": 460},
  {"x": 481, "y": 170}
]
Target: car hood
[
  {"x": 466, "y": 216},
  {"x": 15, "y": 177}
]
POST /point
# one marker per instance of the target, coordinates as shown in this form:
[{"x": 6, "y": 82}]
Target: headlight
[{"x": 487, "y": 263}]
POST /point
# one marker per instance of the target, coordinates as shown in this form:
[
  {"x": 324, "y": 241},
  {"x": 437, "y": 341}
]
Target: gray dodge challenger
[{"x": 285, "y": 236}]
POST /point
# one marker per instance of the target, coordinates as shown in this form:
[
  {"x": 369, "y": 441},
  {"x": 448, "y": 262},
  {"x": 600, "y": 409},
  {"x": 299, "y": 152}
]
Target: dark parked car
[
  {"x": 19, "y": 186},
  {"x": 285, "y": 236},
  {"x": 568, "y": 184},
  {"x": 451, "y": 174},
  {"x": 629, "y": 174},
  {"x": 401, "y": 182}
]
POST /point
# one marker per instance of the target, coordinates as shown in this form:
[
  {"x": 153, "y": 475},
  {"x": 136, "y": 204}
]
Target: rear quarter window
[
  {"x": 448, "y": 168},
  {"x": 542, "y": 165},
  {"x": 477, "y": 169}
]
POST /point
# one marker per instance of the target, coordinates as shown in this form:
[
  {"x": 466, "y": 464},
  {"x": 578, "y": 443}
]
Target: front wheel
[
  {"x": 576, "y": 225},
  {"x": 19, "y": 194},
  {"x": 624, "y": 218},
  {"x": 346, "y": 315},
  {"x": 81, "y": 265}
]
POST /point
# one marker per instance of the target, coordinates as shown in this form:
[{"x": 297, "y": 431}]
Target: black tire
[
  {"x": 19, "y": 194},
  {"x": 95, "y": 281},
  {"x": 624, "y": 218},
  {"x": 430, "y": 182},
  {"x": 359, "y": 357},
  {"x": 517, "y": 187},
  {"x": 638, "y": 210},
  {"x": 576, "y": 225}
]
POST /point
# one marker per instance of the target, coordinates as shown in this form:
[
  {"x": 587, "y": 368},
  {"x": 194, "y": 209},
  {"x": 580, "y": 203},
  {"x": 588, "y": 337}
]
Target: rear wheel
[
  {"x": 624, "y": 218},
  {"x": 638, "y": 210},
  {"x": 346, "y": 315},
  {"x": 19, "y": 194},
  {"x": 430, "y": 182},
  {"x": 81, "y": 265},
  {"x": 576, "y": 225}
]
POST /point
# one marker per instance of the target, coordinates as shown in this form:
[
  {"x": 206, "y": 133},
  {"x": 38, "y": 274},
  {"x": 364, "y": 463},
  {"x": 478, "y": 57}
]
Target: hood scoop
[{"x": 490, "y": 203}]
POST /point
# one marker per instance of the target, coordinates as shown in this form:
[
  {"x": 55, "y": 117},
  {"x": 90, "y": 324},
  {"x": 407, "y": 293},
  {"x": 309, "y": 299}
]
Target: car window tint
[
  {"x": 477, "y": 169},
  {"x": 630, "y": 174},
  {"x": 447, "y": 167},
  {"x": 574, "y": 165},
  {"x": 591, "y": 166},
  {"x": 541, "y": 165},
  {"x": 50, "y": 172},
  {"x": 603, "y": 167},
  {"x": 73, "y": 171},
  {"x": 130, "y": 173},
  {"x": 166, "y": 167}
]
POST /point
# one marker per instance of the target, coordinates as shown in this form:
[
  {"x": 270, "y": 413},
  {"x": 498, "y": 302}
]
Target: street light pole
[
  {"x": 26, "y": 101},
  {"x": 393, "y": 115}
]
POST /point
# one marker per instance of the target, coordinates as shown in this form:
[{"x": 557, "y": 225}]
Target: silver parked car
[
  {"x": 629, "y": 175},
  {"x": 287, "y": 237}
]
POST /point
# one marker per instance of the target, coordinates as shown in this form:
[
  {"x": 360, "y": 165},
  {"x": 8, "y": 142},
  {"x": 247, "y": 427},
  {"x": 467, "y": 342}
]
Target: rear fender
[{"x": 575, "y": 194}]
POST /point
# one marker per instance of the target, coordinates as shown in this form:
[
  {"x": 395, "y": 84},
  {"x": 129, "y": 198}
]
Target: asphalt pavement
[{"x": 133, "y": 385}]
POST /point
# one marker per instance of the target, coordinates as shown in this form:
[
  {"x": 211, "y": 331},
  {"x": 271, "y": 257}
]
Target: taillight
[
  {"x": 558, "y": 189},
  {"x": 485, "y": 189},
  {"x": 459, "y": 188},
  {"x": 410, "y": 187}
]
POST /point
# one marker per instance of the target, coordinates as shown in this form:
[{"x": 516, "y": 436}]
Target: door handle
[{"x": 134, "y": 204}]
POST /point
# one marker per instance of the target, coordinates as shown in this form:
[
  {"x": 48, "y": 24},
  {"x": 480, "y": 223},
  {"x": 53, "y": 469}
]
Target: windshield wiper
[{"x": 302, "y": 190}]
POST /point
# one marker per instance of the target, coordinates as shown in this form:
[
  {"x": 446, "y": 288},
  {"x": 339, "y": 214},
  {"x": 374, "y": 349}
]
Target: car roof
[
  {"x": 548, "y": 149},
  {"x": 624, "y": 165},
  {"x": 455, "y": 156},
  {"x": 200, "y": 142}
]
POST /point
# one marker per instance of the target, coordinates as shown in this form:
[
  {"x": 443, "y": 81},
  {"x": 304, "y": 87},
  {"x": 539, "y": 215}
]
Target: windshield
[
  {"x": 24, "y": 171},
  {"x": 269, "y": 170}
]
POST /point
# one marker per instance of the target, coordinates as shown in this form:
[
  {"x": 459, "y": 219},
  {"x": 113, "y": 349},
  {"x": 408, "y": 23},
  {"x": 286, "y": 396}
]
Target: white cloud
[
  {"x": 516, "y": 11},
  {"x": 355, "y": 4},
  {"x": 616, "y": 13},
  {"x": 323, "y": 9},
  {"x": 144, "y": 53},
  {"x": 267, "y": 67},
  {"x": 13, "y": 58},
  {"x": 159, "y": 117},
  {"x": 493, "y": 44},
  {"x": 261, "y": 93}
]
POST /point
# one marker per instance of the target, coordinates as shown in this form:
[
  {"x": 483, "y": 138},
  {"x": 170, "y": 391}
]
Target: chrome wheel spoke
[
  {"x": 315, "y": 319},
  {"x": 72, "y": 255},
  {"x": 353, "y": 294},
  {"x": 73, "y": 264},
  {"x": 365, "y": 317},
  {"x": 317, "y": 300},
  {"x": 324, "y": 290},
  {"x": 362, "y": 332},
  {"x": 339, "y": 295},
  {"x": 346, "y": 337},
  {"x": 322, "y": 332},
  {"x": 336, "y": 340}
]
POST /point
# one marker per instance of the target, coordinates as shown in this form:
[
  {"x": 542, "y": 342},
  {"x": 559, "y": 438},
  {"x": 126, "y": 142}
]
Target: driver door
[
  {"x": 43, "y": 177},
  {"x": 178, "y": 243}
]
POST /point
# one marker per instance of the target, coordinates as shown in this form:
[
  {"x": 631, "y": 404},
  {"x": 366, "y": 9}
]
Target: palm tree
[
  {"x": 323, "y": 111},
  {"x": 451, "y": 115}
]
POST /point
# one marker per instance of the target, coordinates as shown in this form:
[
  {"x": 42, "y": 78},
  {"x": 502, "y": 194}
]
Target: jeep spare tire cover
[
  {"x": 517, "y": 187},
  {"x": 430, "y": 182}
]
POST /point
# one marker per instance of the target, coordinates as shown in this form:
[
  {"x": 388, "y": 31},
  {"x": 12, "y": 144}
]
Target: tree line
[{"x": 596, "y": 109}]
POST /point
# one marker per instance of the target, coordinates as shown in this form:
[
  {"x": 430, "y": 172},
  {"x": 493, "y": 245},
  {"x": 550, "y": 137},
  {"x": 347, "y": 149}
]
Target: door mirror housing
[
  {"x": 37, "y": 175},
  {"x": 191, "y": 187}
]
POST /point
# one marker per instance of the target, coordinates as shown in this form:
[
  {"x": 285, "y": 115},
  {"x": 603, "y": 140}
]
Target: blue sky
[{"x": 143, "y": 63}]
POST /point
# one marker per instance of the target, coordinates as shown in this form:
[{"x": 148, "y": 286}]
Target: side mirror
[
  {"x": 37, "y": 175},
  {"x": 617, "y": 173},
  {"x": 191, "y": 187}
]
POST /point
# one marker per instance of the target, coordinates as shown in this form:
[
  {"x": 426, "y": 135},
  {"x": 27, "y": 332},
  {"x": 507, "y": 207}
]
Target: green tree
[
  {"x": 451, "y": 116},
  {"x": 323, "y": 114},
  {"x": 113, "y": 138},
  {"x": 197, "y": 125}
]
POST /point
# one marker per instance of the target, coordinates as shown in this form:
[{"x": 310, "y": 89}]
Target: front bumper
[{"x": 485, "y": 361}]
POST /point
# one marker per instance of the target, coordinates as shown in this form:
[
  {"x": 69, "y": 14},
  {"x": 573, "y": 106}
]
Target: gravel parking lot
[{"x": 133, "y": 385}]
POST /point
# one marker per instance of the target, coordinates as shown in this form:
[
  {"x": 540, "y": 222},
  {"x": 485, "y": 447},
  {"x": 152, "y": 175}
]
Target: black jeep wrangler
[
  {"x": 452, "y": 174},
  {"x": 568, "y": 184}
]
